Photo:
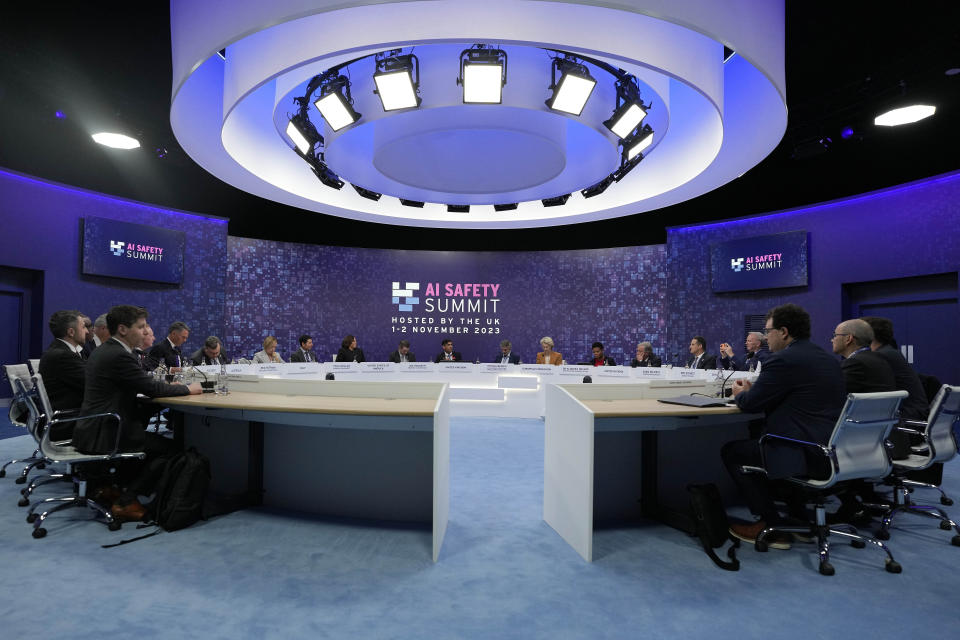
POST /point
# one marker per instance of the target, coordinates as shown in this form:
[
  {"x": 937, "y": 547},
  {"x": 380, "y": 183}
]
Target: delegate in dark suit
[
  {"x": 748, "y": 362},
  {"x": 801, "y": 391},
  {"x": 350, "y": 355},
  {"x": 652, "y": 361},
  {"x": 395, "y": 356},
  {"x": 915, "y": 405},
  {"x": 64, "y": 375},
  {"x": 166, "y": 353},
  {"x": 199, "y": 358},
  {"x": 511, "y": 359},
  {"x": 113, "y": 380},
  {"x": 303, "y": 356},
  {"x": 867, "y": 372},
  {"x": 455, "y": 356},
  {"x": 707, "y": 361}
]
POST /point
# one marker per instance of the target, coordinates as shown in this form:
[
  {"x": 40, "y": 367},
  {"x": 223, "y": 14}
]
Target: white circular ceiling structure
[{"x": 708, "y": 119}]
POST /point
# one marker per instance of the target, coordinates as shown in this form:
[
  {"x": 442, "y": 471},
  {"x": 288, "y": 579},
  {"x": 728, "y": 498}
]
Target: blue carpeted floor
[{"x": 503, "y": 573}]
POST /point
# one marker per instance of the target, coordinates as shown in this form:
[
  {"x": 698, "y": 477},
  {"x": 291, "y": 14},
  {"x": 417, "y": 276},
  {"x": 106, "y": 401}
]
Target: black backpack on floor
[
  {"x": 711, "y": 524},
  {"x": 181, "y": 492}
]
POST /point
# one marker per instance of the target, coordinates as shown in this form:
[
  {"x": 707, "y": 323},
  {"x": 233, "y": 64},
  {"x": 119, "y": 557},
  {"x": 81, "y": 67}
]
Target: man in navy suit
[
  {"x": 63, "y": 367},
  {"x": 800, "y": 389},
  {"x": 168, "y": 351},
  {"x": 863, "y": 370},
  {"x": 447, "y": 354},
  {"x": 507, "y": 356},
  {"x": 699, "y": 358},
  {"x": 755, "y": 354}
]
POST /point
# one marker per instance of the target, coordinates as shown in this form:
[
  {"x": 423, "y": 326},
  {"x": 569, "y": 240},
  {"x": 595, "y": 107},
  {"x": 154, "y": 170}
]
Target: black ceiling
[{"x": 107, "y": 64}]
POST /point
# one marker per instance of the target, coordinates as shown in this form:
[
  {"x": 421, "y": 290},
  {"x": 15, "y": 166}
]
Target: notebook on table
[{"x": 695, "y": 401}]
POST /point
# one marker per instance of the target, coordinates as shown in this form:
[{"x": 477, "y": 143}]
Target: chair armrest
[
  {"x": 65, "y": 412},
  {"x": 748, "y": 469},
  {"x": 826, "y": 451},
  {"x": 116, "y": 444}
]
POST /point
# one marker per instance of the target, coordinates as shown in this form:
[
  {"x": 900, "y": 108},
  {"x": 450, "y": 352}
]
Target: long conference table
[
  {"x": 367, "y": 450},
  {"x": 613, "y": 457}
]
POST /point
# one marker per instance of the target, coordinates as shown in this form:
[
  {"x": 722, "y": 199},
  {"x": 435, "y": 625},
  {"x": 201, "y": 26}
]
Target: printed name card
[
  {"x": 240, "y": 368},
  {"x": 416, "y": 367},
  {"x": 455, "y": 367},
  {"x": 650, "y": 373},
  {"x": 342, "y": 367},
  {"x": 684, "y": 374},
  {"x": 268, "y": 368},
  {"x": 301, "y": 368},
  {"x": 539, "y": 369},
  {"x": 378, "y": 367},
  {"x": 613, "y": 372},
  {"x": 576, "y": 370},
  {"x": 494, "y": 368}
]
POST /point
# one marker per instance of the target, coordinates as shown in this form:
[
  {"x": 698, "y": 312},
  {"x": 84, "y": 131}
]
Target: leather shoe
[
  {"x": 106, "y": 495},
  {"x": 748, "y": 532},
  {"x": 132, "y": 512}
]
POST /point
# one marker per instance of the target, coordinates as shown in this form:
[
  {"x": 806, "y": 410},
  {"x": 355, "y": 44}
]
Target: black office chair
[
  {"x": 857, "y": 450},
  {"x": 77, "y": 464},
  {"x": 939, "y": 445}
]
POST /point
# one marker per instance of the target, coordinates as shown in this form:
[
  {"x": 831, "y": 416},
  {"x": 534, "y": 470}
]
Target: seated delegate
[
  {"x": 349, "y": 352},
  {"x": 645, "y": 356},
  {"x": 548, "y": 355},
  {"x": 506, "y": 355},
  {"x": 269, "y": 353}
]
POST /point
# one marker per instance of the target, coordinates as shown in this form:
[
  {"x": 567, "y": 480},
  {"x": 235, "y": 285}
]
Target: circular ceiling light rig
[{"x": 441, "y": 131}]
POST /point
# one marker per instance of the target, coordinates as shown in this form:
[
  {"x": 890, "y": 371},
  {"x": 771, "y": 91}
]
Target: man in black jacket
[
  {"x": 645, "y": 356},
  {"x": 113, "y": 380},
  {"x": 403, "y": 353},
  {"x": 305, "y": 352},
  {"x": 168, "y": 350},
  {"x": 63, "y": 367},
  {"x": 863, "y": 370},
  {"x": 447, "y": 354},
  {"x": 915, "y": 405},
  {"x": 800, "y": 390},
  {"x": 506, "y": 355},
  {"x": 210, "y": 353}
]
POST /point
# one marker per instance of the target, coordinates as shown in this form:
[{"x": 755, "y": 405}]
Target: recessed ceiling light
[
  {"x": 904, "y": 115},
  {"x": 116, "y": 140}
]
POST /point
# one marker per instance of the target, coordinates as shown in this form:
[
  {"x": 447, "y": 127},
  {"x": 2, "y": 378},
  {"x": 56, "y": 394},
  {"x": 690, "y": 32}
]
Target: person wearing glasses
[
  {"x": 864, "y": 371},
  {"x": 800, "y": 391},
  {"x": 755, "y": 354},
  {"x": 645, "y": 356}
]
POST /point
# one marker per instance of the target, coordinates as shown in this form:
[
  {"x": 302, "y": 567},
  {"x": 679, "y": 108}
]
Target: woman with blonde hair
[
  {"x": 269, "y": 353},
  {"x": 548, "y": 355}
]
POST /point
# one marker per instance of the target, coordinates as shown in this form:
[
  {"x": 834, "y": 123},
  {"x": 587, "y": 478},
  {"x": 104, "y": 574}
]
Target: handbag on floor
[{"x": 711, "y": 524}]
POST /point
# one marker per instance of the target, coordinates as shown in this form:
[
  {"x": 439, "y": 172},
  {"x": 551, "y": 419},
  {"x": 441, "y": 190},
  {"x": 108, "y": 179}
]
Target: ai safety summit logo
[
  {"x": 116, "y": 248},
  {"x": 757, "y": 263},
  {"x": 407, "y": 293},
  {"x": 736, "y": 264},
  {"x": 136, "y": 251}
]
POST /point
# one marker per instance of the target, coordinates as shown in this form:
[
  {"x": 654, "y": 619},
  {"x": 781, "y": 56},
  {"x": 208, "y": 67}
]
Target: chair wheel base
[
  {"x": 883, "y": 534},
  {"x": 893, "y": 566},
  {"x": 114, "y": 526},
  {"x": 945, "y": 525},
  {"x": 23, "y": 502},
  {"x": 39, "y": 532},
  {"x": 827, "y": 569},
  {"x": 31, "y": 517},
  {"x": 3, "y": 473},
  {"x": 761, "y": 546},
  {"x": 955, "y": 541},
  {"x": 945, "y": 501},
  {"x": 858, "y": 544},
  {"x": 21, "y": 480},
  {"x": 42, "y": 465}
]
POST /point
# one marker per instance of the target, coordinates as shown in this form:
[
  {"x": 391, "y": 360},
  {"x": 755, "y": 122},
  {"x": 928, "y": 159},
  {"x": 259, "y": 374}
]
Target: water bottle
[{"x": 222, "y": 389}]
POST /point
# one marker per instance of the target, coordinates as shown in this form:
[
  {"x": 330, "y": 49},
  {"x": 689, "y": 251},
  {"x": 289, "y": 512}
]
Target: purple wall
[
  {"x": 900, "y": 232},
  {"x": 41, "y": 231},
  {"x": 575, "y": 297}
]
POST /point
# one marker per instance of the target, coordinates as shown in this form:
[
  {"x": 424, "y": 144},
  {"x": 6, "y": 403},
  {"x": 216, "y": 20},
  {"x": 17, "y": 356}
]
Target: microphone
[
  {"x": 723, "y": 386},
  {"x": 207, "y": 385}
]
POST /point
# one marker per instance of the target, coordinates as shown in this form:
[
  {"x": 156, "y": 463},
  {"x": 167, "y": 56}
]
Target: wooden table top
[
  {"x": 291, "y": 403},
  {"x": 650, "y": 407}
]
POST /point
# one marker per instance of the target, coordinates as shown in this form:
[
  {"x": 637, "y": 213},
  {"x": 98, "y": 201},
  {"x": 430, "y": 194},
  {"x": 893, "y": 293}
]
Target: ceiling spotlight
[
  {"x": 325, "y": 175},
  {"x": 335, "y": 103},
  {"x": 630, "y": 111},
  {"x": 505, "y": 207},
  {"x": 411, "y": 203},
  {"x": 458, "y": 208},
  {"x": 366, "y": 193},
  {"x": 556, "y": 202},
  {"x": 483, "y": 73},
  {"x": 904, "y": 115},
  {"x": 299, "y": 132},
  {"x": 637, "y": 143},
  {"x": 570, "y": 95},
  {"x": 398, "y": 80},
  {"x": 598, "y": 188},
  {"x": 116, "y": 140}
]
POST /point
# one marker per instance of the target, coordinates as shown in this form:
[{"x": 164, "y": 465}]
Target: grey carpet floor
[{"x": 502, "y": 573}]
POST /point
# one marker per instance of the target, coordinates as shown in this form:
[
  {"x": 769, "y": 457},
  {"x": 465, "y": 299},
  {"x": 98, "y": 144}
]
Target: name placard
[
  {"x": 240, "y": 368},
  {"x": 268, "y": 368},
  {"x": 342, "y": 367},
  {"x": 301, "y": 368},
  {"x": 455, "y": 367},
  {"x": 539, "y": 369},
  {"x": 494, "y": 368},
  {"x": 575, "y": 370},
  {"x": 684, "y": 374},
  {"x": 613, "y": 372},
  {"x": 416, "y": 367},
  {"x": 377, "y": 367},
  {"x": 650, "y": 373}
]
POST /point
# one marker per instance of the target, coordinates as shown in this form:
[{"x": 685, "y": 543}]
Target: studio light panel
[
  {"x": 628, "y": 120},
  {"x": 298, "y": 139},
  {"x": 334, "y": 111},
  {"x": 396, "y": 90},
  {"x": 573, "y": 93},
  {"x": 482, "y": 83}
]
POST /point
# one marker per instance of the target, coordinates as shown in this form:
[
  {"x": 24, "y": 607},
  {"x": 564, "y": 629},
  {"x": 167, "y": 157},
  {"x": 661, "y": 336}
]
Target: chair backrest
[
  {"x": 34, "y": 364},
  {"x": 35, "y": 420},
  {"x": 45, "y": 405},
  {"x": 944, "y": 418},
  {"x": 859, "y": 435},
  {"x": 15, "y": 371}
]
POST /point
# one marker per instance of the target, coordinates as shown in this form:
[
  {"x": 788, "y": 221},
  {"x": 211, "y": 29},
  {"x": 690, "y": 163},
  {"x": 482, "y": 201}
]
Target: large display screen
[
  {"x": 134, "y": 251},
  {"x": 760, "y": 262}
]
